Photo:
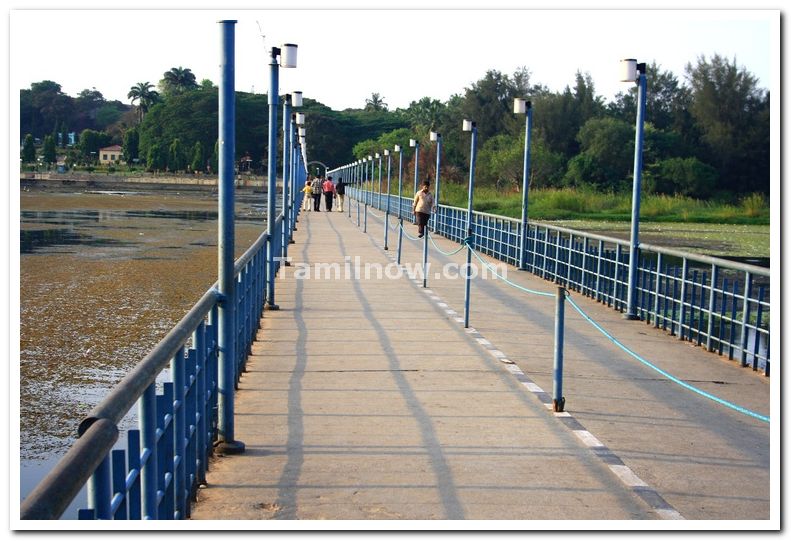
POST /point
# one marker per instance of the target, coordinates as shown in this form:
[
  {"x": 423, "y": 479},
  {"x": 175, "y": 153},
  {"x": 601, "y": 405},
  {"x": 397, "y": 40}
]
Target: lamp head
[
  {"x": 467, "y": 125},
  {"x": 412, "y": 143},
  {"x": 288, "y": 55},
  {"x": 296, "y": 98},
  {"x": 433, "y": 136},
  {"x": 628, "y": 70},
  {"x": 397, "y": 148}
]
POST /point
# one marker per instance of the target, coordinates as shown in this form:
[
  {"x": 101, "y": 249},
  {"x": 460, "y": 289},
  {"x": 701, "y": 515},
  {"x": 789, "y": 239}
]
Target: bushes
[{"x": 685, "y": 176}]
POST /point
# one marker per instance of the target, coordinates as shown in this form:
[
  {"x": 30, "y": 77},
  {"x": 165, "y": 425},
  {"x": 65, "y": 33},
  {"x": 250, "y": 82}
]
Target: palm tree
[
  {"x": 144, "y": 94},
  {"x": 178, "y": 80},
  {"x": 375, "y": 103}
]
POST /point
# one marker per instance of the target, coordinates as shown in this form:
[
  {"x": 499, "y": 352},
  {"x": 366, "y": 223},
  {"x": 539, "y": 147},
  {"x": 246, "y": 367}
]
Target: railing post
[
  {"x": 558, "y": 400},
  {"x": 225, "y": 245},
  {"x": 178, "y": 375},
  {"x": 147, "y": 419},
  {"x": 748, "y": 288},
  {"x": 100, "y": 491}
]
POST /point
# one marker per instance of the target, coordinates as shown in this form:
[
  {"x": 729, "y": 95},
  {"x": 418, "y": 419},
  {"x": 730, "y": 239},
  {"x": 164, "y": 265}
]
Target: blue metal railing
[
  {"x": 163, "y": 462},
  {"x": 714, "y": 303}
]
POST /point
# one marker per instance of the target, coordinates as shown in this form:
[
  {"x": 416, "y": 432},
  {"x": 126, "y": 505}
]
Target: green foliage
[
  {"x": 28, "y": 149},
  {"x": 732, "y": 114},
  {"x": 156, "y": 157},
  {"x": 48, "y": 151},
  {"x": 685, "y": 176},
  {"x": 91, "y": 141},
  {"x": 131, "y": 145},
  {"x": 177, "y": 81},
  {"x": 177, "y": 160},
  {"x": 755, "y": 205},
  {"x": 198, "y": 160}
]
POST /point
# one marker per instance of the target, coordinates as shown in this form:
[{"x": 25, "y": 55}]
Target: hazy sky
[{"x": 347, "y": 54}]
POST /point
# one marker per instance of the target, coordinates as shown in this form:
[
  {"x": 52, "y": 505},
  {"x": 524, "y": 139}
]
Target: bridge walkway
[{"x": 367, "y": 399}]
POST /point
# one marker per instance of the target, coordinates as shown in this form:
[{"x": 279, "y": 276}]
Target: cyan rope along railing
[
  {"x": 467, "y": 243},
  {"x": 716, "y": 303}
]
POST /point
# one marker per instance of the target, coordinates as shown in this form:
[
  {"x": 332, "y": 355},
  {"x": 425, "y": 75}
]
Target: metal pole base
[
  {"x": 271, "y": 307},
  {"x": 292, "y": 241},
  {"x": 230, "y": 447},
  {"x": 631, "y": 317},
  {"x": 287, "y": 263},
  {"x": 557, "y": 407}
]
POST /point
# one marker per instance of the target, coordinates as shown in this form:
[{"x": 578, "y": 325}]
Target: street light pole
[
  {"x": 436, "y": 136},
  {"x": 387, "y": 211},
  {"x": 288, "y": 59},
  {"x": 470, "y": 126},
  {"x": 631, "y": 71},
  {"x": 522, "y": 106},
  {"x": 400, "y": 201},
  {"x": 226, "y": 312}
]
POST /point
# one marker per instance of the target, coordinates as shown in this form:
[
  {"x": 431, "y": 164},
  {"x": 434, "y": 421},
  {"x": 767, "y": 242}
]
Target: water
[{"x": 103, "y": 277}]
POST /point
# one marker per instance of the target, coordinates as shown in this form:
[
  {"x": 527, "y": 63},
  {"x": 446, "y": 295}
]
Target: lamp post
[
  {"x": 522, "y": 106},
  {"x": 631, "y": 71},
  {"x": 387, "y": 211},
  {"x": 400, "y": 201},
  {"x": 469, "y": 126},
  {"x": 370, "y": 198},
  {"x": 414, "y": 144},
  {"x": 436, "y": 136},
  {"x": 286, "y": 178},
  {"x": 226, "y": 313},
  {"x": 379, "y": 194},
  {"x": 288, "y": 59}
]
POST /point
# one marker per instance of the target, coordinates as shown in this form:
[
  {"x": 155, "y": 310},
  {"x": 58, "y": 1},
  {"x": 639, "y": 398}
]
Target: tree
[
  {"x": 607, "y": 154},
  {"x": 732, "y": 114},
  {"x": 177, "y": 81},
  {"x": 197, "y": 162},
  {"x": 29, "y": 149},
  {"x": 145, "y": 95},
  {"x": 207, "y": 84},
  {"x": 176, "y": 158},
  {"x": 156, "y": 159},
  {"x": 684, "y": 176},
  {"x": 131, "y": 145},
  {"x": 375, "y": 103},
  {"x": 91, "y": 141},
  {"x": 48, "y": 152}
]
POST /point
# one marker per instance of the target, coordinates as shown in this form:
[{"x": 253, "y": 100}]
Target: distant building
[{"x": 111, "y": 154}]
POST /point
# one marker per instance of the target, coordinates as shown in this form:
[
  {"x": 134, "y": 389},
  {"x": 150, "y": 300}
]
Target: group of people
[
  {"x": 422, "y": 204},
  {"x": 318, "y": 186}
]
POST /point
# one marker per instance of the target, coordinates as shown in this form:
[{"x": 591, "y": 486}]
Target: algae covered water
[{"x": 104, "y": 275}]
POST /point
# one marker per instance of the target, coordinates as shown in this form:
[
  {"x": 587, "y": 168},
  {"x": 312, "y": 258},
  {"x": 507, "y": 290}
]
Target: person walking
[
  {"x": 307, "y": 196},
  {"x": 340, "y": 189},
  {"x": 422, "y": 207},
  {"x": 329, "y": 194},
  {"x": 315, "y": 189}
]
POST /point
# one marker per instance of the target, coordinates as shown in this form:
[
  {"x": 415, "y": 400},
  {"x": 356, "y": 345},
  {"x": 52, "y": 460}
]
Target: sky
[{"x": 345, "y": 55}]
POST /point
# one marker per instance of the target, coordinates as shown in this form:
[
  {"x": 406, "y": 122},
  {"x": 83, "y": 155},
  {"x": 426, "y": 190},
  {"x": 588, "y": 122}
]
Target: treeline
[{"x": 706, "y": 136}]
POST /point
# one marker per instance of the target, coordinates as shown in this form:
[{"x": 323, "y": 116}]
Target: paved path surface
[{"x": 367, "y": 399}]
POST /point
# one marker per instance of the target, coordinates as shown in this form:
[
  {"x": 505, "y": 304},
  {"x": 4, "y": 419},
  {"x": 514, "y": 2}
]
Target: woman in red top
[{"x": 329, "y": 193}]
